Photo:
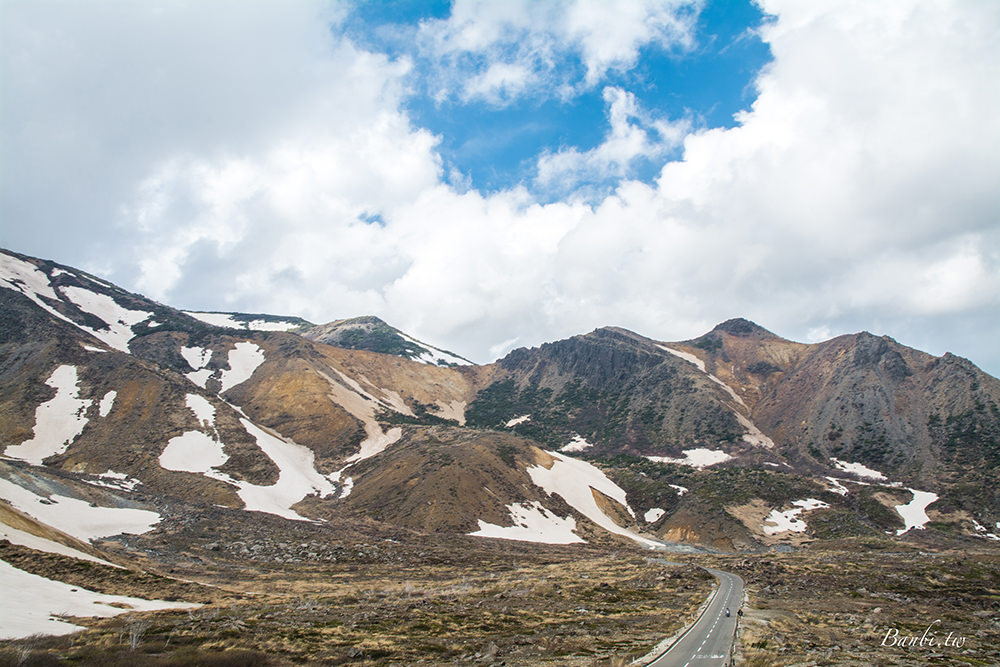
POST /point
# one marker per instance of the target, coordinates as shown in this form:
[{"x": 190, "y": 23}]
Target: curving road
[{"x": 708, "y": 641}]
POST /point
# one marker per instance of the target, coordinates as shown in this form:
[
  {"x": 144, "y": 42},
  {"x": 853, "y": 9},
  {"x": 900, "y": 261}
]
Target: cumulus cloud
[
  {"x": 226, "y": 156},
  {"x": 498, "y": 51},
  {"x": 632, "y": 136}
]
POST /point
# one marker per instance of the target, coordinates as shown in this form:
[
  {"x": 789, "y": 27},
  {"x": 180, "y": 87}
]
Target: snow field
[
  {"x": 244, "y": 359},
  {"x": 27, "y": 279},
  {"x": 107, "y": 402},
  {"x": 361, "y": 405},
  {"x": 297, "y": 476},
  {"x": 517, "y": 420},
  {"x": 226, "y": 321},
  {"x": 119, "y": 320},
  {"x": 203, "y": 411},
  {"x": 198, "y": 452},
  {"x": 77, "y": 517},
  {"x": 914, "y": 513},
  {"x": 31, "y": 604},
  {"x": 653, "y": 514},
  {"x": 686, "y": 356},
  {"x": 699, "y": 457},
  {"x": 58, "y": 421},
  {"x": 577, "y": 444},
  {"x": 858, "y": 469},
  {"x": 194, "y": 451},
  {"x": 532, "y": 523},
  {"x": 196, "y": 357},
  {"x": 690, "y": 358},
  {"x": 753, "y": 436},
  {"x": 32, "y": 541},
  {"x": 432, "y": 356},
  {"x": 982, "y": 532},
  {"x": 837, "y": 486},
  {"x": 115, "y": 480},
  {"x": 788, "y": 520},
  {"x": 575, "y": 481}
]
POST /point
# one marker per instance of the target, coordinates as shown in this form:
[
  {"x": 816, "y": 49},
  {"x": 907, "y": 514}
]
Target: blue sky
[
  {"x": 486, "y": 175},
  {"x": 495, "y": 144}
]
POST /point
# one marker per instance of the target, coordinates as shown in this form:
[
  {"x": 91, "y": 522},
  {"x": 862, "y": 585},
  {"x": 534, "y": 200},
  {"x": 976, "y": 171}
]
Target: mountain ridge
[{"x": 278, "y": 422}]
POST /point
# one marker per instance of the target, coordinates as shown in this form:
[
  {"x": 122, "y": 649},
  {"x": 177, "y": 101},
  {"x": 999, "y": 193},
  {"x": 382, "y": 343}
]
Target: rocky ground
[
  {"x": 371, "y": 599},
  {"x": 874, "y": 603},
  {"x": 362, "y": 594}
]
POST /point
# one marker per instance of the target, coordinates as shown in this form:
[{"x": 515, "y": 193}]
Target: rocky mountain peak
[{"x": 742, "y": 327}]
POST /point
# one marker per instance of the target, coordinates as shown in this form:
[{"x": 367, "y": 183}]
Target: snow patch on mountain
[
  {"x": 58, "y": 421},
  {"x": 692, "y": 359},
  {"x": 40, "y": 603},
  {"x": 434, "y": 356},
  {"x": 532, "y": 523},
  {"x": 858, "y": 469},
  {"x": 837, "y": 486},
  {"x": 788, "y": 520},
  {"x": 114, "y": 480},
  {"x": 244, "y": 359},
  {"x": 686, "y": 356},
  {"x": 699, "y": 457},
  {"x": 346, "y": 487},
  {"x": 297, "y": 476},
  {"x": 577, "y": 444},
  {"x": 107, "y": 402},
  {"x": 77, "y": 517},
  {"x": 653, "y": 514},
  {"x": 981, "y": 531},
  {"x": 754, "y": 436},
  {"x": 914, "y": 513},
  {"x": 575, "y": 481},
  {"x": 197, "y": 452},
  {"x": 119, "y": 320},
  {"x": 681, "y": 490},
  {"x": 196, "y": 357},
  {"x": 511, "y": 423},
  {"x": 228, "y": 321},
  {"x": 27, "y": 279},
  {"x": 361, "y": 405},
  {"x": 194, "y": 451},
  {"x": 30, "y": 540},
  {"x": 203, "y": 411}
]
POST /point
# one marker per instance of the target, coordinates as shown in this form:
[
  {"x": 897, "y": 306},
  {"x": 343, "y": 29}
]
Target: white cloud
[
  {"x": 498, "y": 51},
  {"x": 632, "y": 136},
  {"x": 225, "y": 159},
  {"x": 500, "y": 83}
]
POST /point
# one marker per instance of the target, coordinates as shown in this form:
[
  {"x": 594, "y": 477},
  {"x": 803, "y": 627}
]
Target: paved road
[{"x": 708, "y": 641}]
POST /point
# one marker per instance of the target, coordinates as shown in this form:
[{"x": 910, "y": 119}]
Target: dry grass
[
  {"x": 550, "y": 609},
  {"x": 836, "y": 607}
]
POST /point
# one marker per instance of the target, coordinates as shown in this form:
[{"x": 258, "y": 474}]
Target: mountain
[
  {"x": 158, "y": 427},
  {"x": 371, "y": 333},
  {"x": 250, "y": 322}
]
